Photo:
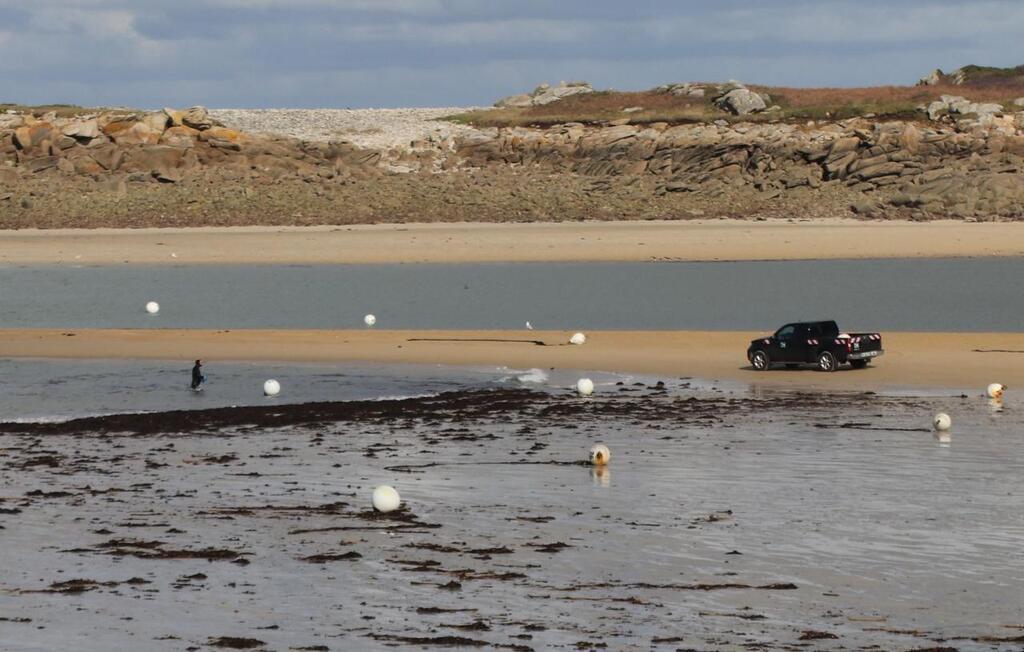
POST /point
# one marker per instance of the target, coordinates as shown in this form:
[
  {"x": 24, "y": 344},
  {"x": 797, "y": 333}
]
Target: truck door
[
  {"x": 810, "y": 338},
  {"x": 783, "y": 344}
]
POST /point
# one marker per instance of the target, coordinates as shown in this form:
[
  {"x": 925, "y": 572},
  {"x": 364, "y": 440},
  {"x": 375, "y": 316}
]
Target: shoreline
[
  {"x": 625, "y": 241},
  {"x": 912, "y": 360}
]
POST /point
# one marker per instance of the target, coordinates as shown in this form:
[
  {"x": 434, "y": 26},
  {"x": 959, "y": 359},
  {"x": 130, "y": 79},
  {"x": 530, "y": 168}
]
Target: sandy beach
[
  {"x": 698, "y": 240},
  {"x": 948, "y": 360}
]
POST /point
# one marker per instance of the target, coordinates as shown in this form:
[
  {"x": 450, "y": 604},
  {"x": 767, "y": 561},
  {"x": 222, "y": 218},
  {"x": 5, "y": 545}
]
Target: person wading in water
[{"x": 197, "y": 375}]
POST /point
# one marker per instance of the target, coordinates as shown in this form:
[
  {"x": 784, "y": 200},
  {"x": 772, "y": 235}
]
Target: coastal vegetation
[{"x": 793, "y": 104}]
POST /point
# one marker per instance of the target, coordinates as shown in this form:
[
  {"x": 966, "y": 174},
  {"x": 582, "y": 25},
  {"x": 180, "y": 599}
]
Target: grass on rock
[
  {"x": 39, "y": 110},
  {"x": 795, "y": 104}
]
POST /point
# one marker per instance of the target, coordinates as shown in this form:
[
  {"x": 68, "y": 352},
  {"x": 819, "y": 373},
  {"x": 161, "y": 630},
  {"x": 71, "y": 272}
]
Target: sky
[{"x": 391, "y": 53}]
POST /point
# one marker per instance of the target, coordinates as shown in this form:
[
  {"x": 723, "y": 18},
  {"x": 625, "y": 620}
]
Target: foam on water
[
  {"x": 405, "y": 397},
  {"x": 46, "y": 419},
  {"x": 535, "y": 376}
]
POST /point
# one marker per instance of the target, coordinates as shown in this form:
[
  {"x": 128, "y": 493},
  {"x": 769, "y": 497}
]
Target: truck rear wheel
[
  {"x": 858, "y": 364},
  {"x": 759, "y": 360},
  {"x": 827, "y": 361}
]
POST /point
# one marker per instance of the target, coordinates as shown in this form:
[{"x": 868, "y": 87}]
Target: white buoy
[
  {"x": 585, "y": 386},
  {"x": 600, "y": 455},
  {"x": 271, "y": 388},
  {"x": 386, "y": 499},
  {"x": 578, "y": 339},
  {"x": 369, "y": 320},
  {"x": 152, "y": 307},
  {"x": 529, "y": 326},
  {"x": 942, "y": 422},
  {"x": 995, "y": 390}
]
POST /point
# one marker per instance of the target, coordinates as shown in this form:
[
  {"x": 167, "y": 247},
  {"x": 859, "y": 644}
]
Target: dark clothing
[{"x": 197, "y": 376}]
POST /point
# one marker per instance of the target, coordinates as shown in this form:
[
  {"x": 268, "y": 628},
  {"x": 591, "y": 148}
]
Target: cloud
[
  {"x": 381, "y": 6},
  {"x": 518, "y": 31},
  {"x": 93, "y": 23},
  {"x": 431, "y": 52}
]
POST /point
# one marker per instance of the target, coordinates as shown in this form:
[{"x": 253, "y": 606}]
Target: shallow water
[
  {"x": 892, "y": 538},
  {"x": 920, "y": 295},
  {"x": 34, "y": 390}
]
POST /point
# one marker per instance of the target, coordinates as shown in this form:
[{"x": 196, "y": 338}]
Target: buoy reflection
[{"x": 601, "y": 476}]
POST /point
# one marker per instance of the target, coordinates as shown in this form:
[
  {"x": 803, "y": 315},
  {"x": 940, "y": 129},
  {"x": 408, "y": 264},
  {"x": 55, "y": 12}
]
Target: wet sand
[
  {"x": 948, "y": 360},
  {"x": 727, "y": 520},
  {"x": 697, "y": 240}
]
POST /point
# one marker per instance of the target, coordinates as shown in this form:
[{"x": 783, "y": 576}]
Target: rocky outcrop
[
  {"x": 956, "y": 166},
  {"x": 737, "y": 99},
  {"x": 197, "y": 118},
  {"x": 975, "y": 76},
  {"x": 877, "y": 160},
  {"x": 934, "y": 78},
  {"x": 166, "y": 146},
  {"x": 955, "y": 105},
  {"x": 685, "y": 89},
  {"x": 965, "y": 193},
  {"x": 545, "y": 94}
]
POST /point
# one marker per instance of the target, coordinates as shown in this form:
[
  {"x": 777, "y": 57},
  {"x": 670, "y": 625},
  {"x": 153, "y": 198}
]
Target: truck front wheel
[
  {"x": 827, "y": 361},
  {"x": 759, "y": 360}
]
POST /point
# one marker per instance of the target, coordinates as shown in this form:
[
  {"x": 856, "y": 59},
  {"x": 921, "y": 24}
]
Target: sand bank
[
  {"x": 949, "y": 360},
  {"x": 707, "y": 240}
]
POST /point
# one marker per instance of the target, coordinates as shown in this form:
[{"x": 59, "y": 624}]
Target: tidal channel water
[{"x": 912, "y": 295}]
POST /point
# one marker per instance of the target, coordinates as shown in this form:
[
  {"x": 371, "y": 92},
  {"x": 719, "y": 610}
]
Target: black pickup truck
[{"x": 814, "y": 342}]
